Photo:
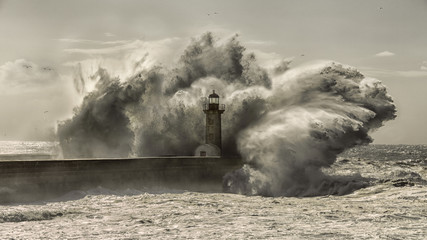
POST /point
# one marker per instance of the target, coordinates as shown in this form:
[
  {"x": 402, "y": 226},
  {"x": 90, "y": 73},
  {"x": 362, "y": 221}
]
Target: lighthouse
[{"x": 213, "y": 111}]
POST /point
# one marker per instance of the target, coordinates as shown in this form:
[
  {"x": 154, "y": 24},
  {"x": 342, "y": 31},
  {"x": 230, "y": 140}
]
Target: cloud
[
  {"x": 378, "y": 72},
  {"x": 120, "y": 46},
  {"x": 77, "y": 40},
  {"x": 108, "y": 34},
  {"x": 385, "y": 54},
  {"x": 107, "y": 50},
  {"x": 412, "y": 74},
  {"x": 424, "y": 66},
  {"x": 259, "y": 43}
]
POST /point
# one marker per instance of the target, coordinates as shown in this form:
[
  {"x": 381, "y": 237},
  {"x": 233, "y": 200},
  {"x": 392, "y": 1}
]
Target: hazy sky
[{"x": 42, "y": 41}]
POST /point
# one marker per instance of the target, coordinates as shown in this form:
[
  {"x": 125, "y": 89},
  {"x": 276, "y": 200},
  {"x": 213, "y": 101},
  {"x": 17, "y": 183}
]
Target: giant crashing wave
[{"x": 286, "y": 124}]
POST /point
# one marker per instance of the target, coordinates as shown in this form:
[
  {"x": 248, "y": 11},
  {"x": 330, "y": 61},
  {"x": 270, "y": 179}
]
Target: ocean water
[
  {"x": 393, "y": 206},
  {"x": 10, "y": 150}
]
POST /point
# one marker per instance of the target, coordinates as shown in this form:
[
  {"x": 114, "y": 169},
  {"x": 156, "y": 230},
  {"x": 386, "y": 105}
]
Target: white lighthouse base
[{"x": 208, "y": 150}]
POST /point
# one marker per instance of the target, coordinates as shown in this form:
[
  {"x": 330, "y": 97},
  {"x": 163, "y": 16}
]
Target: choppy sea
[{"x": 393, "y": 206}]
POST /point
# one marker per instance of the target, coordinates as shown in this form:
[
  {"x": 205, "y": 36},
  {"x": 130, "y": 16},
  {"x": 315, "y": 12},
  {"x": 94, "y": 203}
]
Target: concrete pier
[{"x": 32, "y": 180}]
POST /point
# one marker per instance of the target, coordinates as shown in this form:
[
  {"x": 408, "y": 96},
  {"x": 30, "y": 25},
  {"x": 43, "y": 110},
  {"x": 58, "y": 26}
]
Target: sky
[{"x": 44, "y": 45}]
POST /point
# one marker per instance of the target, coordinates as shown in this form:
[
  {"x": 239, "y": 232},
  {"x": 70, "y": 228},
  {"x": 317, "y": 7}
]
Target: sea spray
[
  {"x": 317, "y": 112},
  {"x": 286, "y": 125},
  {"x": 157, "y": 111}
]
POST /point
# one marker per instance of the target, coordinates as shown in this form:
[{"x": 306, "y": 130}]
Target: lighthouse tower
[{"x": 213, "y": 111}]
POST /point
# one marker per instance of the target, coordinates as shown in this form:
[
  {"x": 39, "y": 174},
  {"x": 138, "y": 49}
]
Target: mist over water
[{"x": 286, "y": 123}]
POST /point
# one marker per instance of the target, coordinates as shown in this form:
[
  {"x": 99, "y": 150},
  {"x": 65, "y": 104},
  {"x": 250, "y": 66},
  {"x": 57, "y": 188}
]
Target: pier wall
[{"x": 31, "y": 180}]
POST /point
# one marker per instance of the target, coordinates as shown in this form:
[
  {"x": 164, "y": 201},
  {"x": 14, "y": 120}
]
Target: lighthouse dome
[{"x": 213, "y": 95}]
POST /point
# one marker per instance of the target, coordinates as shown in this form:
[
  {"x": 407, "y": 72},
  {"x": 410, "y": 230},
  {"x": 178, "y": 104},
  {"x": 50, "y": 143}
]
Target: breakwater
[{"x": 32, "y": 180}]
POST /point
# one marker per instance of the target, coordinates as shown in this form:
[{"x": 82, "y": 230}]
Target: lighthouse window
[
  {"x": 210, "y": 121},
  {"x": 214, "y": 100}
]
